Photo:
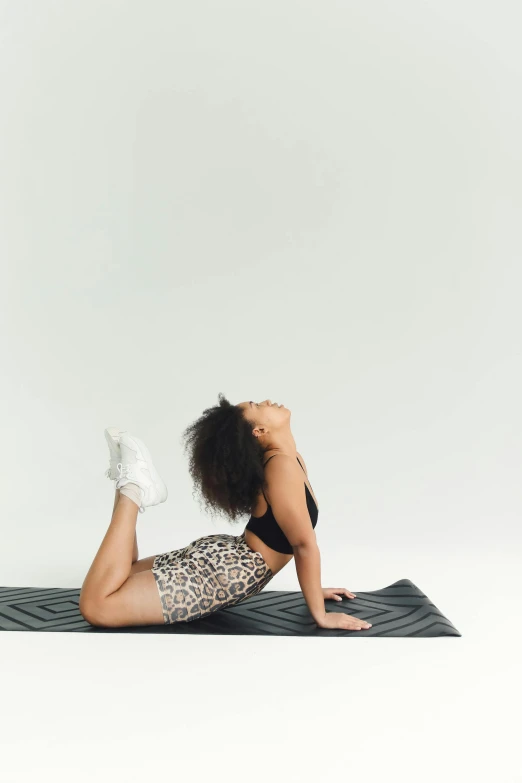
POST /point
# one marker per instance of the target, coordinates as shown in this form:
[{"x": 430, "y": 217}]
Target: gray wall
[{"x": 317, "y": 203}]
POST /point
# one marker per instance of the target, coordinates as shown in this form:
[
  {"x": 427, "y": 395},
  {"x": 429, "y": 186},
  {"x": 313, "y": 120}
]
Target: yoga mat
[{"x": 398, "y": 610}]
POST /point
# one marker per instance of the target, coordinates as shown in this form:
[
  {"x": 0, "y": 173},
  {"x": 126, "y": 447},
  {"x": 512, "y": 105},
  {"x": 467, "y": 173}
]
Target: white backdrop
[{"x": 313, "y": 202}]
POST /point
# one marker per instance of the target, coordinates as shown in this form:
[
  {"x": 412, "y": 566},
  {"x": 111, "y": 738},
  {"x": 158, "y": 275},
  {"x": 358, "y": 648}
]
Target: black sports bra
[{"x": 267, "y": 529}]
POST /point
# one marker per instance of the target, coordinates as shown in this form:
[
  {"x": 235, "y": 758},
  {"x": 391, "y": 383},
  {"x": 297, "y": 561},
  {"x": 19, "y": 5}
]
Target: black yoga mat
[{"x": 398, "y": 610}]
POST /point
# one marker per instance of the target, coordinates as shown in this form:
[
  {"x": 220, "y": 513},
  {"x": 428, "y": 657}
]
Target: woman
[{"x": 231, "y": 462}]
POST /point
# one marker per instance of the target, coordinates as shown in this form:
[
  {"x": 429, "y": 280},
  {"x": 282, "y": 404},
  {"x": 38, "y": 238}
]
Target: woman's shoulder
[
  {"x": 299, "y": 457},
  {"x": 301, "y": 460},
  {"x": 283, "y": 469}
]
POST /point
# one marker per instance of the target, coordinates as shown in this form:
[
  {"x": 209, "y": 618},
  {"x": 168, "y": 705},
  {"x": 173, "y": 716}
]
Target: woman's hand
[
  {"x": 339, "y": 619},
  {"x": 336, "y": 593},
  {"x": 344, "y": 621}
]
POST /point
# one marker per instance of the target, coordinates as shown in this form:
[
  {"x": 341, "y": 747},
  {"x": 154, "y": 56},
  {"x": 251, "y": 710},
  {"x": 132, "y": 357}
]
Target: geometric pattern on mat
[{"x": 400, "y": 609}]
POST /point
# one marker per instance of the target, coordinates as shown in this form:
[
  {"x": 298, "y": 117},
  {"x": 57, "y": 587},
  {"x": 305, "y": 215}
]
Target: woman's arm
[
  {"x": 308, "y": 566},
  {"x": 288, "y": 501}
]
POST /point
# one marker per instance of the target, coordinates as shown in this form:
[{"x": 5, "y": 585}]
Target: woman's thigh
[{"x": 136, "y": 602}]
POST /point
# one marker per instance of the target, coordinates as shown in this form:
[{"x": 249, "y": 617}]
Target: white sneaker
[
  {"x": 112, "y": 436},
  {"x": 136, "y": 466}
]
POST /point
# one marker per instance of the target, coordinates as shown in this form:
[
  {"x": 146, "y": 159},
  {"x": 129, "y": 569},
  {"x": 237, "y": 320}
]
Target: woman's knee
[{"x": 91, "y": 610}]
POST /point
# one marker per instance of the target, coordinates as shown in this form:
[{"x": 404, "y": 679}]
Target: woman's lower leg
[
  {"x": 112, "y": 564},
  {"x": 116, "y": 497},
  {"x": 135, "y": 552}
]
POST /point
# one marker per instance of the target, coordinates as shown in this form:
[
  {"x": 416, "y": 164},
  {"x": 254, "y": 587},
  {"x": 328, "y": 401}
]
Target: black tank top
[{"x": 267, "y": 529}]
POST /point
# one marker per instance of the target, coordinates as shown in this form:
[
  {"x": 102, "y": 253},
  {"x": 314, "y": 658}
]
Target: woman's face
[{"x": 267, "y": 414}]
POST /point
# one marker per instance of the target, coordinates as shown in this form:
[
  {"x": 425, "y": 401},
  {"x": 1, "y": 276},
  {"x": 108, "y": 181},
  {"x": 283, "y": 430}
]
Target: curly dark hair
[{"x": 225, "y": 460}]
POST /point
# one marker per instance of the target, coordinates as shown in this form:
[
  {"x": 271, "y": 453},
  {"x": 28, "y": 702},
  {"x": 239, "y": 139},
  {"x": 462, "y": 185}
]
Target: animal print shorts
[{"x": 211, "y": 573}]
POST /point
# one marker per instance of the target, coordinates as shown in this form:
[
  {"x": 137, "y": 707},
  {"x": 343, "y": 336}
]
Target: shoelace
[
  {"x": 108, "y": 472},
  {"x": 126, "y": 471}
]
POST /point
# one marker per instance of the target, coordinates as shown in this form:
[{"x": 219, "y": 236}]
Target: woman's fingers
[
  {"x": 346, "y": 592},
  {"x": 336, "y": 592},
  {"x": 355, "y": 623}
]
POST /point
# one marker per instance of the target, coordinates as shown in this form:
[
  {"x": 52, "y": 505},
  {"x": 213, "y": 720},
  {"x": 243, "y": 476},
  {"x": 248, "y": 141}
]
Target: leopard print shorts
[{"x": 211, "y": 573}]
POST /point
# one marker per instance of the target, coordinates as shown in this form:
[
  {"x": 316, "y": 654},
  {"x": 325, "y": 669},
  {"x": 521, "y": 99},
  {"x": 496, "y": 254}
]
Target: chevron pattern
[{"x": 398, "y": 610}]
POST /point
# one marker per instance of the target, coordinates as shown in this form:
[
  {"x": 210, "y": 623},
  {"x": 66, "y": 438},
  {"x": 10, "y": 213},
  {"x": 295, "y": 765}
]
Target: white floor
[{"x": 160, "y": 707}]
